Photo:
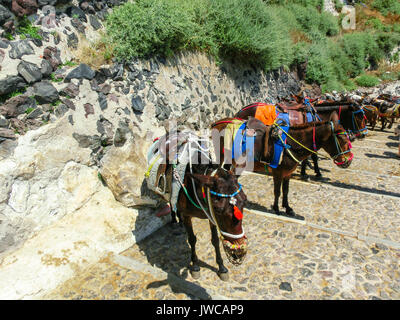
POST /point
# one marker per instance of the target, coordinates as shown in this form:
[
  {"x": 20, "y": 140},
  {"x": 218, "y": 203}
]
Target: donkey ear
[{"x": 207, "y": 181}]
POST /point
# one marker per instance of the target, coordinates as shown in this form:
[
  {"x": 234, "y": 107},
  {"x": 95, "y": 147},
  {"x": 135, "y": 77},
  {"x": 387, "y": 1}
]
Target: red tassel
[{"x": 238, "y": 214}]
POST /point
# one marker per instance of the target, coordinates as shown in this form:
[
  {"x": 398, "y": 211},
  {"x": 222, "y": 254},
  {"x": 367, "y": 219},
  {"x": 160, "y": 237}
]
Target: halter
[
  {"x": 339, "y": 149},
  {"x": 357, "y": 131}
]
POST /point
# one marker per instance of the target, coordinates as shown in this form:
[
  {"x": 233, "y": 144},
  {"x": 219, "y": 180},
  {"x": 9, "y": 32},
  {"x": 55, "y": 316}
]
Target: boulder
[
  {"x": 16, "y": 106},
  {"x": 11, "y": 84},
  {"x": 123, "y": 170},
  {"x": 74, "y": 11},
  {"x": 52, "y": 55},
  {"x": 83, "y": 71},
  {"x": 45, "y": 92},
  {"x": 24, "y": 7},
  {"x": 29, "y": 71},
  {"x": 45, "y": 68},
  {"x": 20, "y": 48},
  {"x": 5, "y": 14}
]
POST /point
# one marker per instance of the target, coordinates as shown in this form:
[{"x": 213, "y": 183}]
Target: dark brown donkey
[
  {"x": 350, "y": 115},
  {"x": 327, "y": 135},
  {"x": 223, "y": 207},
  {"x": 204, "y": 191}
]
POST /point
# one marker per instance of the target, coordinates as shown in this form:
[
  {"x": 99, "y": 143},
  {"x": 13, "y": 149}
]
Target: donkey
[
  {"x": 206, "y": 192},
  {"x": 351, "y": 117},
  {"x": 328, "y": 135},
  {"x": 372, "y": 115}
]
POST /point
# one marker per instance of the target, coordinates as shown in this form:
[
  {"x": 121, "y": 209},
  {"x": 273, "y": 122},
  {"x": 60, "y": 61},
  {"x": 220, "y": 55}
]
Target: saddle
[{"x": 297, "y": 112}]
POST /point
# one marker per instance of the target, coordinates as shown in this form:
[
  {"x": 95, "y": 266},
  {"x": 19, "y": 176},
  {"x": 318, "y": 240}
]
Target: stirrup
[{"x": 158, "y": 189}]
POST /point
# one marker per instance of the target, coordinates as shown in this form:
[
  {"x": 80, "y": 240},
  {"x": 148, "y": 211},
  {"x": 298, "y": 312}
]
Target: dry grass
[
  {"x": 299, "y": 36},
  {"x": 95, "y": 54}
]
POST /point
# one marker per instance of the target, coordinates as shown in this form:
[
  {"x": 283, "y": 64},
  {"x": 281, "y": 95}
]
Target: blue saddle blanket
[{"x": 243, "y": 144}]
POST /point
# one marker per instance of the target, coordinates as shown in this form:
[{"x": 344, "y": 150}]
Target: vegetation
[
  {"x": 270, "y": 33},
  {"x": 367, "y": 80},
  {"x": 25, "y": 27}
]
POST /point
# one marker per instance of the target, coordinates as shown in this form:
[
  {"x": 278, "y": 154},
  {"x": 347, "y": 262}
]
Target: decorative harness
[
  {"x": 210, "y": 212},
  {"x": 356, "y": 129}
]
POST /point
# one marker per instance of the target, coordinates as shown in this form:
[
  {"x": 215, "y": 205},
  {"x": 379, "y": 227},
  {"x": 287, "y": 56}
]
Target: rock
[
  {"x": 29, "y": 71},
  {"x": 5, "y": 14},
  {"x": 36, "y": 113},
  {"x": 286, "y": 286},
  {"x": 45, "y": 92},
  {"x": 4, "y": 44},
  {"x": 3, "y": 122},
  {"x": 78, "y": 25},
  {"x": 85, "y": 141},
  {"x": 24, "y": 7},
  {"x": 16, "y": 106},
  {"x": 7, "y": 133},
  {"x": 20, "y": 48},
  {"x": 45, "y": 68},
  {"x": 117, "y": 71},
  {"x": 102, "y": 101},
  {"x": 43, "y": 3},
  {"x": 137, "y": 104},
  {"x": 52, "y": 55},
  {"x": 11, "y": 84},
  {"x": 105, "y": 88},
  {"x": 94, "y": 22},
  {"x": 83, "y": 71},
  {"x": 72, "y": 41},
  {"x": 61, "y": 110},
  {"x": 68, "y": 103},
  {"x": 88, "y": 109},
  {"x": 123, "y": 169},
  {"x": 71, "y": 90},
  {"x": 74, "y": 11}
]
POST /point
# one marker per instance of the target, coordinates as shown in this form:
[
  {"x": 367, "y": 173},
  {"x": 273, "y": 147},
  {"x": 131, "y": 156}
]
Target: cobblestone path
[{"x": 348, "y": 246}]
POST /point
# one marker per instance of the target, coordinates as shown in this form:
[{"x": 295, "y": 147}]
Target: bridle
[
  {"x": 356, "y": 129},
  {"x": 339, "y": 149}
]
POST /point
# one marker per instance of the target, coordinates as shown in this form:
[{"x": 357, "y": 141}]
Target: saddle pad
[
  {"x": 243, "y": 144},
  {"x": 230, "y": 133},
  {"x": 266, "y": 113},
  {"x": 282, "y": 121}
]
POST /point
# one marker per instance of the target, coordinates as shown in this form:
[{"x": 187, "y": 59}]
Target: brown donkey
[
  {"x": 203, "y": 190},
  {"x": 302, "y": 139}
]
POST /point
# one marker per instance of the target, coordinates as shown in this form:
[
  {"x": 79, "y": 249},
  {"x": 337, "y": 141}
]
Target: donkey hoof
[
  {"x": 224, "y": 276},
  {"x": 195, "y": 274},
  {"x": 275, "y": 211},
  {"x": 304, "y": 177},
  {"x": 318, "y": 177}
]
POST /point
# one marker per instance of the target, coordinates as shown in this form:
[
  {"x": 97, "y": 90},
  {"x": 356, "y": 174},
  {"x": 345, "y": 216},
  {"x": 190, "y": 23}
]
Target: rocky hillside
[{"x": 73, "y": 137}]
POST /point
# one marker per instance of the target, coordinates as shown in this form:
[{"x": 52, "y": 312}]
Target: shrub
[
  {"x": 25, "y": 27},
  {"x": 387, "y": 6},
  {"x": 367, "y": 81}
]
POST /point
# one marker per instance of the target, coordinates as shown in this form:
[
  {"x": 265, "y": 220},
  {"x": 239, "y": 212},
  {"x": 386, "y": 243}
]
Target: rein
[{"x": 340, "y": 151}]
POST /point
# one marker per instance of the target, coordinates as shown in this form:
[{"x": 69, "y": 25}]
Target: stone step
[{"x": 369, "y": 214}]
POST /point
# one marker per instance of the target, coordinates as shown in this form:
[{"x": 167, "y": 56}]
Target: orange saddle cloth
[{"x": 266, "y": 113}]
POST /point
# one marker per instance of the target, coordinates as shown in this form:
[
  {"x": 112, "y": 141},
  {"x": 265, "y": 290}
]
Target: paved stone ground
[{"x": 348, "y": 246}]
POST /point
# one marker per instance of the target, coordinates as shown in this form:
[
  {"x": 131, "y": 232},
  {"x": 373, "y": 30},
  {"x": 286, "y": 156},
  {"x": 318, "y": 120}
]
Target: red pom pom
[{"x": 238, "y": 214}]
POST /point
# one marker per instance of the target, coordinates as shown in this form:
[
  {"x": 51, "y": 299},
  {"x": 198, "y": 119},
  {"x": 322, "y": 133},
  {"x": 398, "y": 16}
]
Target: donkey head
[{"x": 227, "y": 201}]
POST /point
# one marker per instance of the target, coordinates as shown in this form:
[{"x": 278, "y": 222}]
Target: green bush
[
  {"x": 269, "y": 33},
  {"x": 387, "y": 6},
  {"x": 367, "y": 81}
]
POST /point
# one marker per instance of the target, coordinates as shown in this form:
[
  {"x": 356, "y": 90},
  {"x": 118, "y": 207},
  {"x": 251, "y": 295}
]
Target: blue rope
[{"x": 227, "y": 195}]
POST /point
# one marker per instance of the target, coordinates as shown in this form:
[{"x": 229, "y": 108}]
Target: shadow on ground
[{"x": 168, "y": 249}]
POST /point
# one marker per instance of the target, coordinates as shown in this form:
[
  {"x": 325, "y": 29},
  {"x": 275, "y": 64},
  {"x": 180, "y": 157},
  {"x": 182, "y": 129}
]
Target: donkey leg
[
  {"x": 318, "y": 174},
  {"x": 303, "y": 174},
  {"x": 222, "y": 270},
  {"x": 194, "y": 267},
  {"x": 285, "y": 202},
  {"x": 277, "y": 193}
]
